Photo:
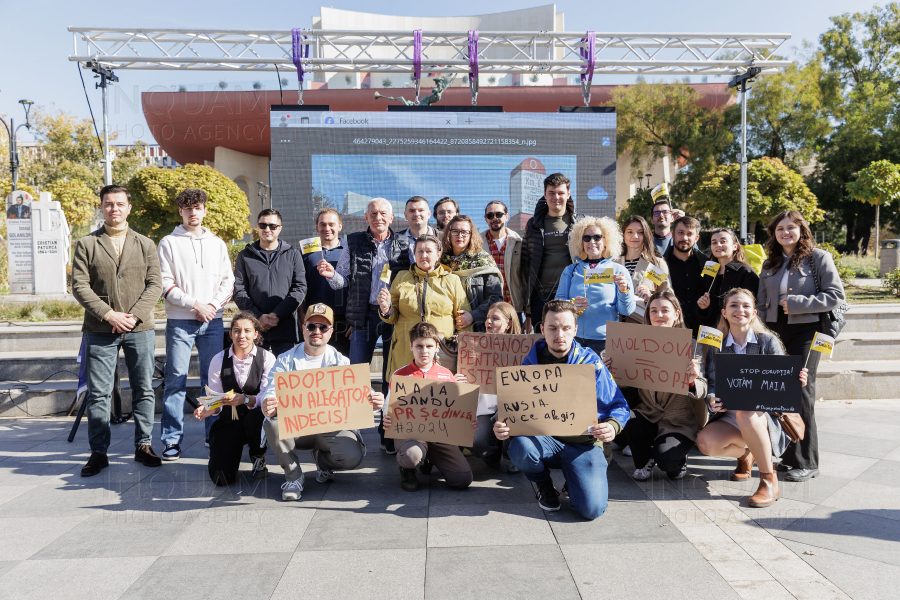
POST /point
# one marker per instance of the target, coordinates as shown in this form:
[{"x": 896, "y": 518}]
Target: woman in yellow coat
[{"x": 429, "y": 292}]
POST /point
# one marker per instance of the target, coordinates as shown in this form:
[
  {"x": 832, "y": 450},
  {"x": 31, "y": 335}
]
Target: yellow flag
[
  {"x": 313, "y": 244},
  {"x": 659, "y": 191},
  {"x": 710, "y": 336},
  {"x": 711, "y": 268},
  {"x": 656, "y": 275},
  {"x": 592, "y": 276},
  {"x": 822, "y": 343},
  {"x": 756, "y": 256},
  {"x": 386, "y": 273}
]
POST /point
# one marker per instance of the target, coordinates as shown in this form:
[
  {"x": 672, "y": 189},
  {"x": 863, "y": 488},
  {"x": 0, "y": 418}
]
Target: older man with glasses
[{"x": 270, "y": 281}]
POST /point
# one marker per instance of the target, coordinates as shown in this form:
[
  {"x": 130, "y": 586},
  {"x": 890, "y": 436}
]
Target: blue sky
[{"x": 35, "y": 44}]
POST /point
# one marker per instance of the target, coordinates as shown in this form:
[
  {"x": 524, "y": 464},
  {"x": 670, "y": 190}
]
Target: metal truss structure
[{"x": 526, "y": 52}]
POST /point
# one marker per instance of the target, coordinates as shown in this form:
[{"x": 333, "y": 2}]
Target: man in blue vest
[{"x": 367, "y": 265}]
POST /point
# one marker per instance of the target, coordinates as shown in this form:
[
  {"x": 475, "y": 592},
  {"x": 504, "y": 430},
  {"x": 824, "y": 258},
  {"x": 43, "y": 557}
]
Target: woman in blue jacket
[{"x": 599, "y": 287}]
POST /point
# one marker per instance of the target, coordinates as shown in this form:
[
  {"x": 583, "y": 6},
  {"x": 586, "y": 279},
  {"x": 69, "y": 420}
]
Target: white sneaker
[
  {"x": 681, "y": 473},
  {"x": 322, "y": 475},
  {"x": 643, "y": 474},
  {"x": 626, "y": 451},
  {"x": 291, "y": 490}
]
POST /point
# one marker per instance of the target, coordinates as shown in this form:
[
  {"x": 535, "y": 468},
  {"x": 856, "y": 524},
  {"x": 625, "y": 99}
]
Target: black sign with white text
[{"x": 759, "y": 382}]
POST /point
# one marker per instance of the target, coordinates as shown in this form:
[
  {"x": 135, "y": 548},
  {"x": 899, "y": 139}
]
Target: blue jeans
[
  {"x": 362, "y": 343},
  {"x": 181, "y": 335},
  {"x": 362, "y": 347},
  {"x": 102, "y": 351},
  {"x": 583, "y": 466}
]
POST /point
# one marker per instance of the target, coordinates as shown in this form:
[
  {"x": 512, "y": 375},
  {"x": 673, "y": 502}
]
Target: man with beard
[
  {"x": 444, "y": 210},
  {"x": 685, "y": 266},
  {"x": 505, "y": 246}
]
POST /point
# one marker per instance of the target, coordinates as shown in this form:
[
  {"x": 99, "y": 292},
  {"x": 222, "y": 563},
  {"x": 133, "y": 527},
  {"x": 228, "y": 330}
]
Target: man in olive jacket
[{"x": 115, "y": 277}]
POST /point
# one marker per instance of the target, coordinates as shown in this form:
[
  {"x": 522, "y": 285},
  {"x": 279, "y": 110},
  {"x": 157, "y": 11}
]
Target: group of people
[{"x": 564, "y": 278}]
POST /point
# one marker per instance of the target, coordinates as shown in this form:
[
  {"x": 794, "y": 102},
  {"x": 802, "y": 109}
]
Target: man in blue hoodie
[{"x": 580, "y": 457}]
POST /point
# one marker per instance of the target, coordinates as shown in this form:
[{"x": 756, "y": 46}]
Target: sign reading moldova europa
[
  {"x": 547, "y": 399},
  {"x": 432, "y": 411},
  {"x": 647, "y": 357},
  {"x": 323, "y": 400},
  {"x": 479, "y": 354},
  {"x": 767, "y": 382}
]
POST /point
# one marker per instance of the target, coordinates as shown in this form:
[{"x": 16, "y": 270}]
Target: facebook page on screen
[{"x": 344, "y": 159}]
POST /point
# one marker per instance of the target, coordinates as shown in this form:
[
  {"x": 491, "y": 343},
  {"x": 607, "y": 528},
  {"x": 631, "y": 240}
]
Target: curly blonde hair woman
[{"x": 599, "y": 287}]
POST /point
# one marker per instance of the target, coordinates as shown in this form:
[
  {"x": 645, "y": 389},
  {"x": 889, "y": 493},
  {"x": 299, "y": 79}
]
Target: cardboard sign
[
  {"x": 323, "y": 400},
  {"x": 386, "y": 273},
  {"x": 710, "y": 336},
  {"x": 711, "y": 268},
  {"x": 479, "y": 354},
  {"x": 547, "y": 399},
  {"x": 656, "y": 274},
  {"x": 432, "y": 411},
  {"x": 648, "y": 357},
  {"x": 822, "y": 343},
  {"x": 759, "y": 382},
  {"x": 309, "y": 245},
  {"x": 598, "y": 275}
]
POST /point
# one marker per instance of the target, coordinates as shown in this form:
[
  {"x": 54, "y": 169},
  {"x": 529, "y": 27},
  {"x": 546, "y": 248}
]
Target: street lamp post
[{"x": 11, "y": 131}]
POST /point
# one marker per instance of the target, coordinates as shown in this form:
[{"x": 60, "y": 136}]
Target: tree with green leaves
[
  {"x": 772, "y": 187},
  {"x": 859, "y": 53},
  {"x": 155, "y": 214},
  {"x": 877, "y": 184},
  {"x": 657, "y": 119}
]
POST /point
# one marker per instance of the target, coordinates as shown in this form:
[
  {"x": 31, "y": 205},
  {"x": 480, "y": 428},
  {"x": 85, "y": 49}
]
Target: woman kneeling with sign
[
  {"x": 745, "y": 435},
  {"x": 664, "y": 426},
  {"x": 242, "y": 371}
]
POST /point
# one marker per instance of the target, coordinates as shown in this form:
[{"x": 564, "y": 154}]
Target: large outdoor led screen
[{"x": 344, "y": 159}]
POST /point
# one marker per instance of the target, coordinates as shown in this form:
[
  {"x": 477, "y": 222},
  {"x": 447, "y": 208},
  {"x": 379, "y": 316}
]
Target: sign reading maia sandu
[{"x": 432, "y": 411}]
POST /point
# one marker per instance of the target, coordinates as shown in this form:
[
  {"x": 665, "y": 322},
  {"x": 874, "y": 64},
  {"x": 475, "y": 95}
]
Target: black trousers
[
  {"x": 797, "y": 338},
  {"x": 669, "y": 451},
  {"x": 227, "y": 438},
  {"x": 278, "y": 346},
  {"x": 339, "y": 339}
]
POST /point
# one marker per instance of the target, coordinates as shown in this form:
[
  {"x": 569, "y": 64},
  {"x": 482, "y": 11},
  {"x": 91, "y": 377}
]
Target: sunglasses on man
[
  {"x": 314, "y": 327},
  {"x": 494, "y": 215},
  {"x": 272, "y": 226}
]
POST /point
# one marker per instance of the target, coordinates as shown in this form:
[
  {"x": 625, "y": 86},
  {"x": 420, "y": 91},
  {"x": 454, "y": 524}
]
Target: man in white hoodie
[{"x": 197, "y": 283}]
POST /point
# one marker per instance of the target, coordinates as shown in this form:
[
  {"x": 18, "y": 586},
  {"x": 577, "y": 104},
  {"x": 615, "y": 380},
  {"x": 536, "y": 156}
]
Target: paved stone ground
[{"x": 134, "y": 532}]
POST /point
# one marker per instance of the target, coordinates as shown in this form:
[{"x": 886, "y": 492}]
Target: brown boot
[
  {"x": 768, "y": 491},
  {"x": 744, "y": 467}
]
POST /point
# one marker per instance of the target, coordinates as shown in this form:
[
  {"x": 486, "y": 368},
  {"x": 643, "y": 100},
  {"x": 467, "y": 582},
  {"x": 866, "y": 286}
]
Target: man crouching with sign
[
  {"x": 338, "y": 450},
  {"x": 580, "y": 457}
]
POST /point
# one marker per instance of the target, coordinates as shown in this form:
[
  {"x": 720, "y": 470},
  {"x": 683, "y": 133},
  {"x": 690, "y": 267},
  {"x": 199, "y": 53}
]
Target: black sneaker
[
  {"x": 144, "y": 454},
  {"x": 408, "y": 480},
  {"x": 426, "y": 467},
  {"x": 259, "y": 470},
  {"x": 96, "y": 463},
  {"x": 172, "y": 452},
  {"x": 548, "y": 497}
]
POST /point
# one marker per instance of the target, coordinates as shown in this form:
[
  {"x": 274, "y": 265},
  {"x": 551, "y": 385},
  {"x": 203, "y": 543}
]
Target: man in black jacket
[
  {"x": 685, "y": 263},
  {"x": 545, "y": 248},
  {"x": 270, "y": 281}
]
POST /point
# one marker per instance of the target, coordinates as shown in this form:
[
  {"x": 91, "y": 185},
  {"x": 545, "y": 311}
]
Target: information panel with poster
[{"x": 19, "y": 250}]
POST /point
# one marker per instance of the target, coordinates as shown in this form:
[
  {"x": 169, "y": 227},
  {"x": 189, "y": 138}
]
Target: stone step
[
  {"x": 855, "y": 379},
  {"x": 864, "y": 345},
  {"x": 872, "y": 318},
  {"x": 39, "y": 365}
]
